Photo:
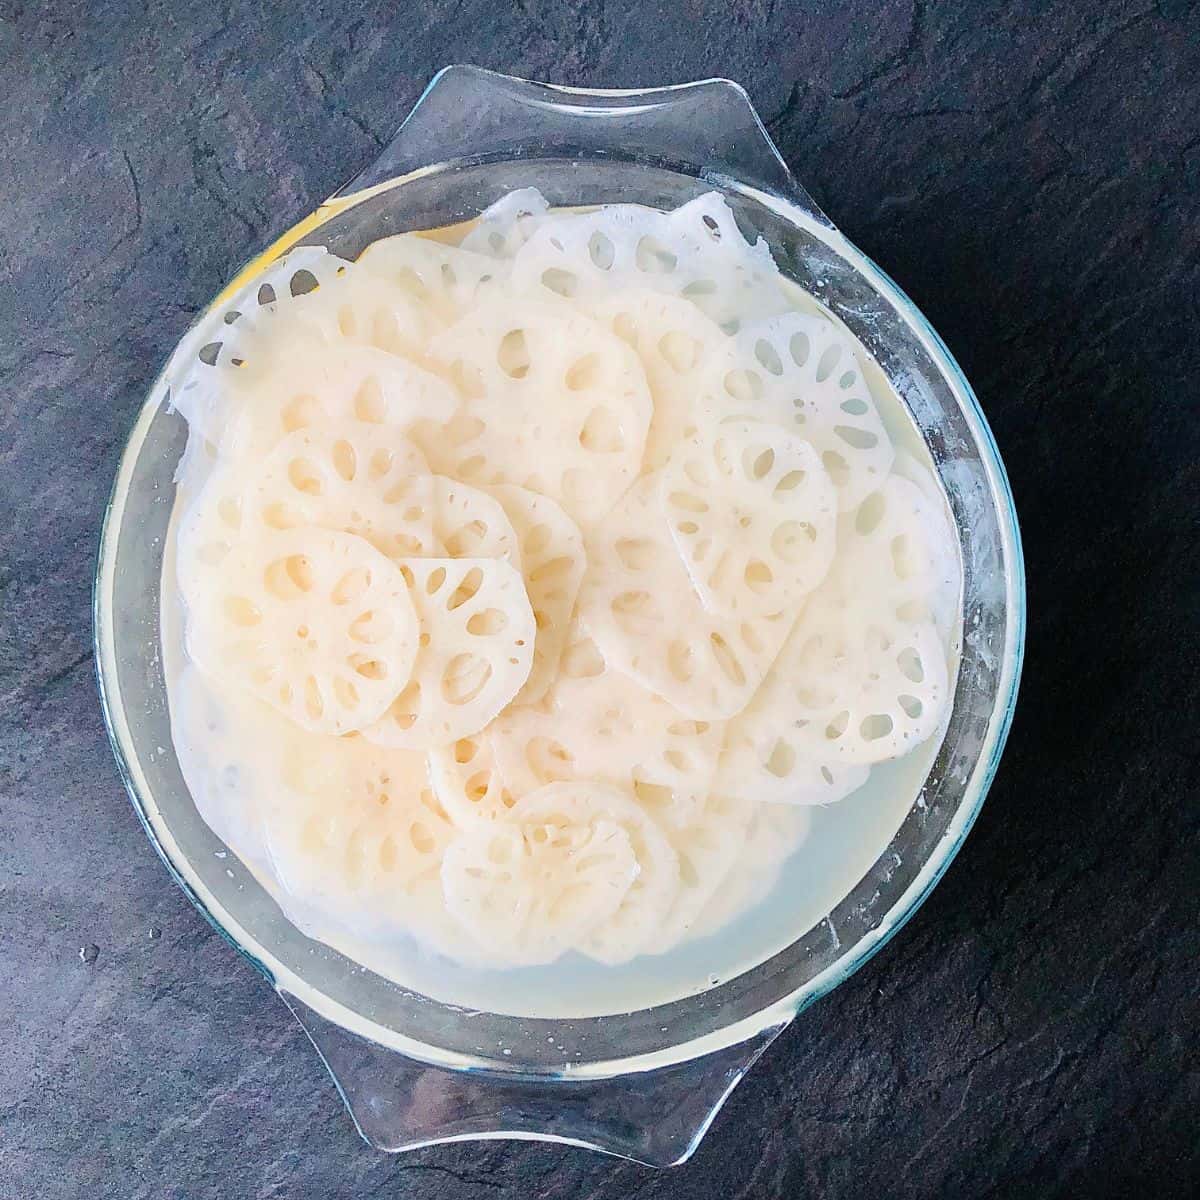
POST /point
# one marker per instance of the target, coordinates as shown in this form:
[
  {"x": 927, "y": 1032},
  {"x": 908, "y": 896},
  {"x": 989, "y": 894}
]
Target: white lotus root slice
[
  {"x": 358, "y": 821},
  {"x": 685, "y": 355},
  {"x": 470, "y": 523},
  {"x": 708, "y": 845},
  {"x": 317, "y": 623},
  {"x": 467, "y": 781},
  {"x": 764, "y": 758},
  {"x": 553, "y": 561},
  {"x": 632, "y": 927},
  {"x": 754, "y": 517},
  {"x": 531, "y": 890},
  {"x": 370, "y": 870},
  {"x": 357, "y": 840},
  {"x": 362, "y": 308},
  {"x": 554, "y": 403},
  {"x": 477, "y": 632},
  {"x": 774, "y": 833},
  {"x": 369, "y": 480},
  {"x": 708, "y": 219},
  {"x": 596, "y": 723},
  {"x": 583, "y": 256},
  {"x": 199, "y": 369},
  {"x": 744, "y": 281},
  {"x": 761, "y": 763},
  {"x": 638, "y": 602},
  {"x": 211, "y": 523},
  {"x": 861, "y": 685},
  {"x": 620, "y": 247},
  {"x": 802, "y": 372},
  {"x": 231, "y": 748},
  {"x": 901, "y": 538},
  {"x": 444, "y": 280},
  {"x": 271, "y": 293},
  {"x": 504, "y": 227},
  {"x": 293, "y": 378}
]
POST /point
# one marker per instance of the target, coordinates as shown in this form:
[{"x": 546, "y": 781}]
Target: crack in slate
[
  {"x": 796, "y": 97},
  {"x": 894, "y": 61},
  {"x": 62, "y": 673},
  {"x": 137, "y": 195},
  {"x": 462, "y": 1177},
  {"x": 327, "y": 93}
]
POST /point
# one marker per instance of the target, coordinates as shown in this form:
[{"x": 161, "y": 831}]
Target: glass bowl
[{"x": 643, "y": 1084}]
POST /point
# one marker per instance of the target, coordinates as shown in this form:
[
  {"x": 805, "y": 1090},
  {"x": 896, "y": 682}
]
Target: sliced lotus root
[
  {"x": 775, "y": 832},
  {"x": 900, "y": 539},
  {"x": 477, "y": 632},
  {"x": 317, "y": 623},
  {"x": 199, "y": 370},
  {"x": 596, "y": 723},
  {"x": 906, "y": 466},
  {"x": 368, "y": 480},
  {"x": 211, "y": 523},
  {"x": 531, "y": 890},
  {"x": 554, "y": 403},
  {"x": 507, "y": 225},
  {"x": 631, "y": 928},
  {"x": 861, "y": 686},
  {"x": 802, "y": 372},
  {"x": 553, "y": 562},
  {"x": 585, "y": 255},
  {"x": 362, "y": 308},
  {"x": 301, "y": 272},
  {"x": 467, "y": 781},
  {"x": 501, "y": 775},
  {"x": 444, "y": 280},
  {"x": 685, "y": 355},
  {"x": 708, "y": 844},
  {"x": 363, "y": 479},
  {"x": 764, "y": 759},
  {"x": 760, "y": 766},
  {"x": 292, "y": 378},
  {"x": 709, "y": 220},
  {"x": 358, "y": 822},
  {"x": 743, "y": 283},
  {"x": 231, "y": 749},
  {"x": 470, "y": 523},
  {"x": 638, "y": 602},
  {"x": 356, "y": 837},
  {"x": 754, "y": 517}
]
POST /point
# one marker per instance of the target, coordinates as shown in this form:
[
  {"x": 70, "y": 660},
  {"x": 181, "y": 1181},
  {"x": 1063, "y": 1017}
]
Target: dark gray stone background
[{"x": 1029, "y": 173}]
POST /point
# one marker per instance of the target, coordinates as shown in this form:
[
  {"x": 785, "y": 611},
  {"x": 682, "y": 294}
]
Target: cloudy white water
[{"x": 794, "y": 864}]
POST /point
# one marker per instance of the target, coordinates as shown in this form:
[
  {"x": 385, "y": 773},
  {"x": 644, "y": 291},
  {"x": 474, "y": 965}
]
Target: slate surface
[{"x": 1029, "y": 173}]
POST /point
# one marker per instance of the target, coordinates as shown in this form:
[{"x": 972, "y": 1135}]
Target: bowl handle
[
  {"x": 654, "y": 1117},
  {"x": 708, "y": 129}
]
